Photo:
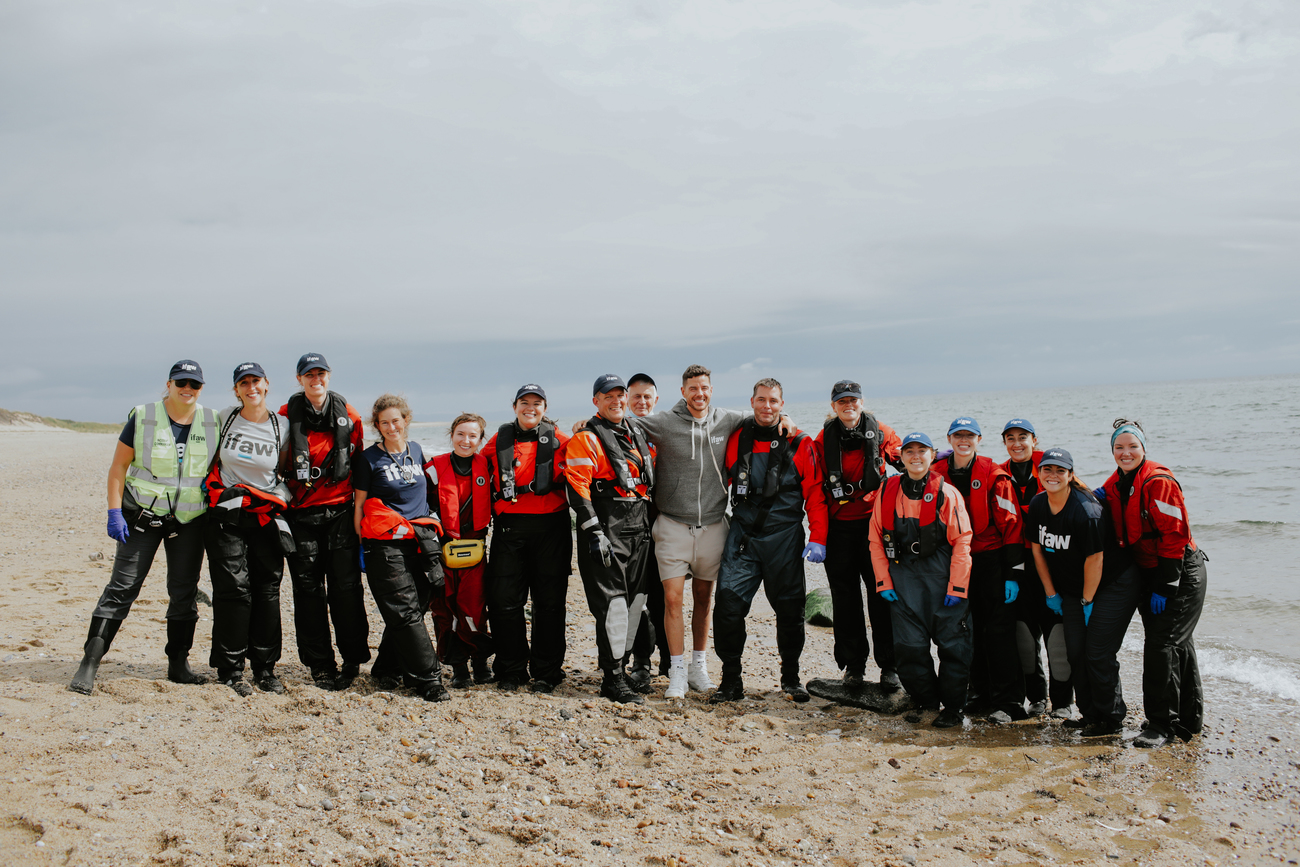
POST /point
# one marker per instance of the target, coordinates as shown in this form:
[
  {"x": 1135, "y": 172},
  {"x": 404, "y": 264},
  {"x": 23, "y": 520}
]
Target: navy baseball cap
[
  {"x": 1022, "y": 423},
  {"x": 845, "y": 388},
  {"x": 530, "y": 388},
  {"x": 1057, "y": 458},
  {"x": 249, "y": 368},
  {"x": 311, "y": 361},
  {"x": 186, "y": 369},
  {"x": 917, "y": 437},
  {"x": 608, "y": 382},
  {"x": 965, "y": 422},
  {"x": 641, "y": 377}
]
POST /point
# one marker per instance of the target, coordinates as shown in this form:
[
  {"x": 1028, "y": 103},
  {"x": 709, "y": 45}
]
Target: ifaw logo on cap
[
  {"x": 189, "y": 367},
  {"x": 247, "y": 366},
  {"x": 312, "y": 358},
  {"x": 532, "y": 385}
]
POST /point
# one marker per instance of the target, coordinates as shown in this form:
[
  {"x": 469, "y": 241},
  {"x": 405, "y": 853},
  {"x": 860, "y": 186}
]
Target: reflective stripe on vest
[{"x": 155, "y": 448}]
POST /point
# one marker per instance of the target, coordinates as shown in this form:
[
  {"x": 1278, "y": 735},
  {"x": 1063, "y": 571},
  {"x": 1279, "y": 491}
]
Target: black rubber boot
[
  {"x": 180, "y": 638},
  {"x": 794, "y": 689},
  {"x": 639, "y": 676},
  {"x": 325, "y": 679},
  {"x": 102, "y": 631},
  {"x": 614, "y": 687},
  {"x": 791, "y": 685},
  {"x": 434, "y": 690},
  {"x": 267, "y": 681},
  {"x": 732, "y": 688},
  {"x": 482, "y": 670},
  {"x": 348, "y": 673},
  {"x": 460, "y": 676}
]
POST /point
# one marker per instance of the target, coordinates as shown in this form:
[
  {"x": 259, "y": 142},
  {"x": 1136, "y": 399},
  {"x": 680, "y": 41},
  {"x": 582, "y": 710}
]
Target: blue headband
[{"x": 1129, "y": 428}]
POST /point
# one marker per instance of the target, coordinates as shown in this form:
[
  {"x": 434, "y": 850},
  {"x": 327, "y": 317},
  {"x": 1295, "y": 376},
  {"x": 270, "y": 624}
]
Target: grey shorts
[{"x": 685, "y": 550}]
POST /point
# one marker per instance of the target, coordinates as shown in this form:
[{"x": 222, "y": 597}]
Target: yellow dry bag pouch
[{"x": 462, "y": 553}]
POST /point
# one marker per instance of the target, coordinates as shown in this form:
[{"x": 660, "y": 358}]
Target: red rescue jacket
[
  {"x": 255, "y": 501},
  {"x": 380, "y": 522},
  {"x": 454, "y": 489},
  {"x": 325, "y": 492},
  {"x": 859, "y": 504},
  {"x": 944, "y": 511},
  {"x": 994, "y": 514},
  {"x": 1153, "y": 523},
  {"x": 525, "y": 451}
]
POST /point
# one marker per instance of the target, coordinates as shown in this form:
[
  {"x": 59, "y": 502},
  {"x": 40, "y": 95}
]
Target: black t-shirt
[
  {"x": 180, "y": 433},
  {"x": 1067, "y": 538}
]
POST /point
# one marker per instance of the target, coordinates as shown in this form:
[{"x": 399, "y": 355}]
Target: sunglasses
[{"x": 188, "y": 383}]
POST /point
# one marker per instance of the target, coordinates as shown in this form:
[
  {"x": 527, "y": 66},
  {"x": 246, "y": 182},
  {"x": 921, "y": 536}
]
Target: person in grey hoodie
[{"x": 691, "y": 530}]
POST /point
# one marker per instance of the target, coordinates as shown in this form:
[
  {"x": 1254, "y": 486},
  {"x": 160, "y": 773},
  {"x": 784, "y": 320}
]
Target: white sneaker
[
  {"x": 698, "y": 679},
  {"x": 676, "y": 683}
]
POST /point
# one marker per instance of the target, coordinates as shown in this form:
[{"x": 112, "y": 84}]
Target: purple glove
[
  {"x": 814, "y": 553},
  {"x": 117, "y": 528},
  {"x": 950, "y": 600},
  {"x": 1158, "y": 603}
]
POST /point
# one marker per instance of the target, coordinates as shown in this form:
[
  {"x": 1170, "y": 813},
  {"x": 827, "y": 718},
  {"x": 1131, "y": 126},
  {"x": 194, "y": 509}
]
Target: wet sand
[{"x": 150, "y": 772}]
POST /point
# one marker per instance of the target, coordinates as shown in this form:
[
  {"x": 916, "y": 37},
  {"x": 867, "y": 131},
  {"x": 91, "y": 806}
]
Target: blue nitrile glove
[
  {"x": 1012, "y": 590},
  {"x": 1087, "y": 612},
  {"x": 1054, "y": 603},
  {"x": 601, "y": 547},
  {"x": 1158, "y": 603},
  {"x": 950, "y": 600},
  {"x": 117, "y": 528},
  {"x": 361, "y": 557},
  {"x": 889, "y": 595},
  {"x": 1099, "y": 493},
  {"x": 946, "y": 453},
  {"x": 814, "y": 553}
]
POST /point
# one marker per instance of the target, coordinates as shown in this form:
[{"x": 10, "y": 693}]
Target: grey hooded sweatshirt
[{"x": 690, "y": 461}]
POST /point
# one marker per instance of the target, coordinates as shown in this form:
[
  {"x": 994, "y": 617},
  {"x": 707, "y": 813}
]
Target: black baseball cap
[
  {"x": 845, "y": 388},
  {"x": 608, "y": 382},
  {"x": 1057, "y": 458},
  {"x": 530, "y": 388},
  {"x": 311, "y": 361},
  {"x": 186, "y": 369},
  {"x": 640, "y": 377},
  {"x": 249, "y": 368}
]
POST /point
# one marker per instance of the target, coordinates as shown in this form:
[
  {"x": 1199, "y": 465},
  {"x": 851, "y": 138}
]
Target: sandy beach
[{"x": 150, "y": 772}]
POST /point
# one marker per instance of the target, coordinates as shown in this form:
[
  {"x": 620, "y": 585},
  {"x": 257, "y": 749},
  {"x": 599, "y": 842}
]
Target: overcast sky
[{"x": 449, "y": 199}]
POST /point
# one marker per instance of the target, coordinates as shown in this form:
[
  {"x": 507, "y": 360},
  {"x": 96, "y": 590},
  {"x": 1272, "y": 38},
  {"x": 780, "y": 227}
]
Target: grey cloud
[{"x": 451, "y": 197}]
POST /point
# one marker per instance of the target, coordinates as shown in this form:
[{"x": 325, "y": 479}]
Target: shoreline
[{"x": 195, "y": 775}]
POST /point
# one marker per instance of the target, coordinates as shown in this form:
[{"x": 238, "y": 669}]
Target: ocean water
[{"x": 1232, "y": 445}]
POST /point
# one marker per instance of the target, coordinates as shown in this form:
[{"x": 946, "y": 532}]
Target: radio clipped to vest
[
  {"x": 928, "y": 541},
  {"x": 543, "y": 463},
  {"x": 779, "y": 457},
  {"x": 873, "y": 464},
  {"x": 463, "y": 553}
]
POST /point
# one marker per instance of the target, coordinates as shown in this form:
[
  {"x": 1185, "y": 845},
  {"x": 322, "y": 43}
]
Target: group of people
[{"x": 987, "y": 563}]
